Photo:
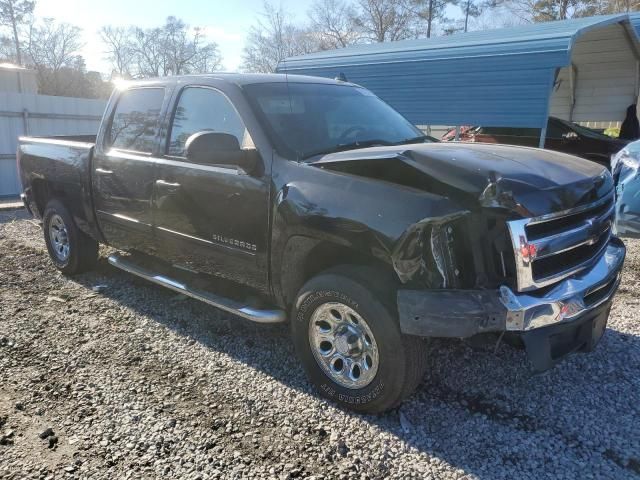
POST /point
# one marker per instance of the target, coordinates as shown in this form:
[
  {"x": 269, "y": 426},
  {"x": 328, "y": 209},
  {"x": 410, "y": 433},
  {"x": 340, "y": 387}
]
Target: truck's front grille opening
[
  {"x": 570, "y": 259},
  {"x": 540, "y": 230},
  {"x": 553, "y": 248}
]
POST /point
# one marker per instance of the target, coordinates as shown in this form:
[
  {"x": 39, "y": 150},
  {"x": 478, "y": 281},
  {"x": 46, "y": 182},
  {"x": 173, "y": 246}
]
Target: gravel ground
[{"x": 106, "y": 376}]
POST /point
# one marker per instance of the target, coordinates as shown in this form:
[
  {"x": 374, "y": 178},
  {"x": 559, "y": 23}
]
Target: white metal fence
[{"x": 40, "y": 115}]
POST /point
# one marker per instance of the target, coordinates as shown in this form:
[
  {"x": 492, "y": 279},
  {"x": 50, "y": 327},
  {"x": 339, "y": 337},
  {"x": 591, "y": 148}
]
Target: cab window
[
  {"x": 203, "y": 109},
  {"x": 135, "y": 121}
]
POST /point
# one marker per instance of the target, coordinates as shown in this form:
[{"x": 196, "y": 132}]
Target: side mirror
[
  {"x": 570, "y": 136},
  {"x": 216, "y": 148},
  {"x": 212, "y": 147}
]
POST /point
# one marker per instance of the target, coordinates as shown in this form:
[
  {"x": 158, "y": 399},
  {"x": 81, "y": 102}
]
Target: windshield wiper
[
  {"x": 413, "y": 140},
  {"x": 347, "y": 146}
]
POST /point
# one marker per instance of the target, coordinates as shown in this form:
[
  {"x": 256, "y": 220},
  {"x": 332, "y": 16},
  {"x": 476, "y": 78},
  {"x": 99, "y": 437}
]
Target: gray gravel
[{"x": 106, "y": 376}]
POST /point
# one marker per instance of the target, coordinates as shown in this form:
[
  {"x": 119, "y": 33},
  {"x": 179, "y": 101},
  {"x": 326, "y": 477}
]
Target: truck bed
[
  {"x": 58, "y": 167},
  {"x": 61, "y": 138}
]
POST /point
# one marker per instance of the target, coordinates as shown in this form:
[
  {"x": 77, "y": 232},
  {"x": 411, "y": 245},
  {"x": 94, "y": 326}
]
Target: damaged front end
[
  {"x": 463, "y": 250},
  {"x": 452, "y": 270},
  {"x": 530, "y": 250}
]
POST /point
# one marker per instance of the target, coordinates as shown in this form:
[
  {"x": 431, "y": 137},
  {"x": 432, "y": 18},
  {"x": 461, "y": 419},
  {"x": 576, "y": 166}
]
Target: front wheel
[{"x": 347, "y": 336}]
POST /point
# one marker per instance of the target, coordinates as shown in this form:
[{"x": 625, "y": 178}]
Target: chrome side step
[{"x": 226, "y": 304}]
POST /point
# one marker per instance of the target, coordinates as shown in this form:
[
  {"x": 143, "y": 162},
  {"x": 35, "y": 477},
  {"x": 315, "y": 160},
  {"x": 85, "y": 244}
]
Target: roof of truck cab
[{"x": 237, "y": 79}]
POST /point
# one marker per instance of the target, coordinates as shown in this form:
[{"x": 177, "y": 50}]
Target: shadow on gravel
[
  {"x": 481, "y": 411},
  {"x": 12, "y": 215}
]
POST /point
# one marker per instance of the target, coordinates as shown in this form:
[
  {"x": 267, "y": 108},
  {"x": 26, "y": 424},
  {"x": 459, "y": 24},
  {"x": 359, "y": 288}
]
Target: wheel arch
[
  {"x": 305, "y": 257},
  {"x": 45, "y": 190}
]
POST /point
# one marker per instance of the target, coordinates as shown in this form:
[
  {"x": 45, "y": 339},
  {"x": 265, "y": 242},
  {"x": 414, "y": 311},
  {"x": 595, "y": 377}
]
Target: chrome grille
[{"x": 555, "y": 246}]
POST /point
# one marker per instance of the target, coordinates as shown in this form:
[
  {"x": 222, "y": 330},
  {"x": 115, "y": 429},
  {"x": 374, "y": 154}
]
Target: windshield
[{"x": 305, "y": 119}]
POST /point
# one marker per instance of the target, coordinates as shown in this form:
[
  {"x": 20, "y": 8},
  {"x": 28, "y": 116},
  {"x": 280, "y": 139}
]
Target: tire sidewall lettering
[
  {"x": 330, "y": 391},
  {"x": 313, "y": 300}
]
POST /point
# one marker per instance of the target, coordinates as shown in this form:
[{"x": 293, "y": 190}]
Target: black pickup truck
[{"x": 312, "y": 200}]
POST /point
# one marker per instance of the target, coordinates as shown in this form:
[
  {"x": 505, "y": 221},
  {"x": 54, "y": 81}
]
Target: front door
[
  {"x": 211, "y": 218},
  {"x": 123, "y": 170}
]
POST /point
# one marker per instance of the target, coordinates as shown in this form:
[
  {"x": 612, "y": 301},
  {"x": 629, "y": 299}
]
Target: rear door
[
  {"x": 123, "y": 169},
  {"x": 211, "y": 218}
]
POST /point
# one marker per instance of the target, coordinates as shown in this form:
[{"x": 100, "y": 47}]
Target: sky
[{"x": 225, "y": 22}]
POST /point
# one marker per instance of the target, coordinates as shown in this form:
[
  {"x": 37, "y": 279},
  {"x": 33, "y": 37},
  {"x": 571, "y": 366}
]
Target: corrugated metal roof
[
  {"x": 500, "y": 77},
  {"x": 635, "y": 21}
]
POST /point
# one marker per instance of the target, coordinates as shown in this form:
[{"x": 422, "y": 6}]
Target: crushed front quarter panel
[{"x": 625, "y": 166}]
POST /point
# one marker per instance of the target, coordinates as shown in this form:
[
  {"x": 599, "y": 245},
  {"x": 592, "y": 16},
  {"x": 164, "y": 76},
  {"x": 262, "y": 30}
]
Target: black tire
[
  {"x": 402, "y": 359},
  {"x": 82, "y": 249}
]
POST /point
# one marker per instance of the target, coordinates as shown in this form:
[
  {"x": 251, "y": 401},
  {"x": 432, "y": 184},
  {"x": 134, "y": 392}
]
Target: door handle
[
  {"x": 169, "y": 188},
  {"x": 102, "y": 171},
  {"x": 164, "y": 183}
]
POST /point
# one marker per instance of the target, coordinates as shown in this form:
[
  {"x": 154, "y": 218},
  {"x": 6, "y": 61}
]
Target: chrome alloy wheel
[
  {"x": 59, "y": 237},
  {"x": 343, "y": 345}
]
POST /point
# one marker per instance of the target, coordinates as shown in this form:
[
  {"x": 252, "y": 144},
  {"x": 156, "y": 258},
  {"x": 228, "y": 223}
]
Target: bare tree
[
  {"x": 119, "y": 49},
  {"x": 15, "y": 14},
  {"x": 333, "y": 22},
  {"x": 495, "y": 17},
  {"x": 7, "y": 49},
  {"x": 273, "y": 38},
  {"x": 431, "y": 12},
  {"x": 471, "y": 9},
  {"x": 385, "y": 20},
  {"x": 172, "y": 49},
  {"x": 52, "y": 47},
  {"x": 606, "y": 7},
  {"x": 150, "y": 60},
  {"x": 547, "y": 10},
  {"x": 179, "y": 47},
  {"x": 207, "y": 58}
]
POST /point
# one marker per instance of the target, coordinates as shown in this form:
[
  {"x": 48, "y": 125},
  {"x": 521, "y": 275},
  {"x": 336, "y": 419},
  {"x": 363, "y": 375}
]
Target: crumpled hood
[{"x": 528, "y": 181}]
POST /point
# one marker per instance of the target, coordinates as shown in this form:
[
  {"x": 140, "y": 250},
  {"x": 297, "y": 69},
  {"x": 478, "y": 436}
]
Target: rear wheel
[
  {"x": 71, "y": 250},
  {"x": 347, "y": 336}
]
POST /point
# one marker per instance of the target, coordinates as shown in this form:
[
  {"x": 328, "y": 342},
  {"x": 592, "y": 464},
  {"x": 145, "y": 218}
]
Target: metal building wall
[
  {"x": 498, "y": 77},
  {"x": 17, "y": 79},
  {"x": 604, "y": 81},
  {"x": 40, "y": 115}
]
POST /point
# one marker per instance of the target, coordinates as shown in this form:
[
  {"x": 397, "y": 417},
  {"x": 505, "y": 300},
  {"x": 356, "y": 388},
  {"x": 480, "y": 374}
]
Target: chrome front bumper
[
  {"x": 569, "y": 299},
  {"x": 464, "y": 313}
]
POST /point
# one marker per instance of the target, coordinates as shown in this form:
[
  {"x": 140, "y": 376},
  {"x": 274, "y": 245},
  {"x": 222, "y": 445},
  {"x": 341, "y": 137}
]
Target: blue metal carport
[{"x": 580, "y": 69}]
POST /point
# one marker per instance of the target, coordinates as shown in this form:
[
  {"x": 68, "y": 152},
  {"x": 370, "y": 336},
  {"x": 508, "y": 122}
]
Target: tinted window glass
[
  {"x": 570, "y": 126},
  {"x": 201, "y": 109},
  {"x": 306, "y": 118},
  {"x": 135, "y": 121},
  {"x": 556, "y": 129}
]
